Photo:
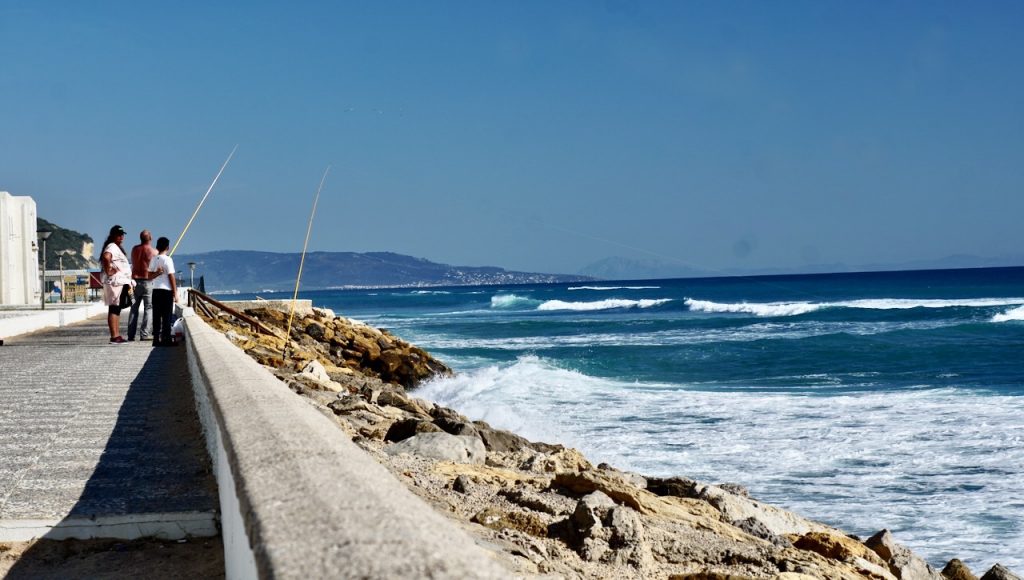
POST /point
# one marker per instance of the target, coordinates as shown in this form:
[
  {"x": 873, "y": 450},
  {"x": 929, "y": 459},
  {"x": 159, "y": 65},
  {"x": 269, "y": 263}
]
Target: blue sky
[{"x": 530, "y": 135}]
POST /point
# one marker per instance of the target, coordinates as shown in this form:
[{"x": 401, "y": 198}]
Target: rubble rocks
[{"x": 341, "y": 342}]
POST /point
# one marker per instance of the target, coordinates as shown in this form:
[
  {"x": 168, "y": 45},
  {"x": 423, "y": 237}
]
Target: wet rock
[
  {"x": 406, "y": 428},
  {"x": 316, "y": 331},
  {"x": 499, "y": 440},
  {"x": 999, "y": 572},
  {"x": 673, "y": 486},
  {"x": 462, "y": 484},
  {"x": 456, "y": 427},
  {"x": 460, "y": 449},
  {"x": 957, "y": 570}
]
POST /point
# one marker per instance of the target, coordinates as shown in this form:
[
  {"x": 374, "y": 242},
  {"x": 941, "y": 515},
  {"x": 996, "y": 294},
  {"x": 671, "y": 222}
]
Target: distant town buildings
[{"x": 19, "y": 252}]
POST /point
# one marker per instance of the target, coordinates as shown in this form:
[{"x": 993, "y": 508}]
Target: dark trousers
[{"x": 163, "y": 303}]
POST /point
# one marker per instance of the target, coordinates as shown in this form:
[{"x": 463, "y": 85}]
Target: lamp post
[
  {"x": 43, "y": 234},
  {"x": 192, "y": 275},
  {"x": 60, "y": 260}
]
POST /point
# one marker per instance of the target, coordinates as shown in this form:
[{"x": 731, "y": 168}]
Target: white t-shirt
[{"x": 163, "y": 281}]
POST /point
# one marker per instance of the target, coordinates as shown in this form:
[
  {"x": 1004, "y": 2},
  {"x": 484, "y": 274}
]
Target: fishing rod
[
  {"x": 202, "y": 201},
  {"x": 302, "y": 261}
]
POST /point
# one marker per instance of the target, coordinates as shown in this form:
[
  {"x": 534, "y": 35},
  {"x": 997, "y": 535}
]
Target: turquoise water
[{"x": 862, "y": 400}]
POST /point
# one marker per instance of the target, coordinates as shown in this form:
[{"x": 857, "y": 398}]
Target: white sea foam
[
  {"x": 906, "y": 460},
  {"x": 614, "y": 287},
  {"x": 682, "y": 336},
  {"x": 1012, "y": 314},
  {"x": 430, "y": 292},
  {"x": 797, "y": 308},
  {"x": 601, "y": 304},
  {"x": 757, "y": 309}
]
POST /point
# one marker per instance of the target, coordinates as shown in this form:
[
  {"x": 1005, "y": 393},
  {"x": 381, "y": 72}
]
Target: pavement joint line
[{"x": 169, "y": 526}]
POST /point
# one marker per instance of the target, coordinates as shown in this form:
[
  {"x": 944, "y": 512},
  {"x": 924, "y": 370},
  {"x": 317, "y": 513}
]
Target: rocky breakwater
[{"x": 543, "y": 508}]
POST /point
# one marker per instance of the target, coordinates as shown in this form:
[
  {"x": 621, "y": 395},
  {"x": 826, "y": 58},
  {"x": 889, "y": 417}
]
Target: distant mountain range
[
  {"x": 248, "y": 271},
  {"x": 619, "y": 268}
]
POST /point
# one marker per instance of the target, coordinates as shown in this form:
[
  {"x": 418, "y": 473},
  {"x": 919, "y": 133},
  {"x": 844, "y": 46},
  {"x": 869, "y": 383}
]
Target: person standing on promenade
[
  {"x": 117, "y": 281},
  {"x": 165, "y": 293},
  {"x": 142, "y": 254}
]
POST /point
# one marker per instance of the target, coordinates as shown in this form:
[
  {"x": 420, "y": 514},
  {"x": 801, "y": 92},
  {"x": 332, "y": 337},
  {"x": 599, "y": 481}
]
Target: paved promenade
[{"x": 99, "y": 440}]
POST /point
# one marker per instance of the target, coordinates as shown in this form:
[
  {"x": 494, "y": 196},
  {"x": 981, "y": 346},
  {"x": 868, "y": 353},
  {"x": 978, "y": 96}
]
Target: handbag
[{"x": 126, "y": 296}]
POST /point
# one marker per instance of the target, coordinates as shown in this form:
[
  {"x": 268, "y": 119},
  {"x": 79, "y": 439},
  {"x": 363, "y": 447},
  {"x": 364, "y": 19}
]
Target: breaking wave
[
  {"x": 1012, "y": 314},
  {"x": 614, "y": 287},
  {"x": 601, "y": 304},
  {"x": 798, "y": 308},
  {"x": 512, "y": 301}
]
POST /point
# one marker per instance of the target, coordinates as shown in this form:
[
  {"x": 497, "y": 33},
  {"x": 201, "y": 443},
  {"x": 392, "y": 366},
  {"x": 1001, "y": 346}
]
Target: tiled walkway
[{"x": 99, "y": 440}]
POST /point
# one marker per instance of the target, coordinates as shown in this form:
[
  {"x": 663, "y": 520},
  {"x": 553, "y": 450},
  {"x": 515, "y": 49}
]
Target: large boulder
[
  {"x": 956, "y": 570},
  {"x": 737, "y": 507},
  {"x": 999, "y": 572},
  {"x": 443, "y": 446},
  {"x": 903, "y": 563}
]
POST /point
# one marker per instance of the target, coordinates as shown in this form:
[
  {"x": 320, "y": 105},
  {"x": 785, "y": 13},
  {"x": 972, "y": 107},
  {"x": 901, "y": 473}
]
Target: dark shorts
[{"x": 124, "y": 302}]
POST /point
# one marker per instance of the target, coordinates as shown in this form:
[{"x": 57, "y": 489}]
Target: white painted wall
[{"x": 19, "y": 256}]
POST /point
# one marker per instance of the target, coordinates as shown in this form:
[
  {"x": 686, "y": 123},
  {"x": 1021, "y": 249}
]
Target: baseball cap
[{"x": 117, "y": 231}]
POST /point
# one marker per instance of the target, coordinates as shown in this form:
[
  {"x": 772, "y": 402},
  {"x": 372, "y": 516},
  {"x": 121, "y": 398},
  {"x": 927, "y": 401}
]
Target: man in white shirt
[{"x": 165, "y": 293}]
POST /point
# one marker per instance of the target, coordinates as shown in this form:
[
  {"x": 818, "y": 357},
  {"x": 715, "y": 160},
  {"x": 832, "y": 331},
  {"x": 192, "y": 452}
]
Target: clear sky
[{"x": 530, "y": 135}]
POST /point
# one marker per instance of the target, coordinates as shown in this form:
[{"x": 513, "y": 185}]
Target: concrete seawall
[{"x": 300, "y": 500}]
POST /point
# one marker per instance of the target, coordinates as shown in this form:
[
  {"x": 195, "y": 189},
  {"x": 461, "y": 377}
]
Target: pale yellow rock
[
  {"x": 839, "y": 546},
  {"x": 489, "y": 475}
]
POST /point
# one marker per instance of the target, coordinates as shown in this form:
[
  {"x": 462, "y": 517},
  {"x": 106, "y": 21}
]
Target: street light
[
  {"x": 60, "y": 259},
  {"x": 43, "y": 234},
  {"x": 192, "y": 275}
]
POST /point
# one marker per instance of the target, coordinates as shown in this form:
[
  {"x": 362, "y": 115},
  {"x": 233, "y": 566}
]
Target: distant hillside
[
  {"x": 619, "y": 268},
  {"x": 248, "y": 271},
  {"x": 76, "y": 248}
]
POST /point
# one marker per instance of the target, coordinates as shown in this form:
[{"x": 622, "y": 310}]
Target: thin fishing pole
[
  {"x": 202, "y": 201},
  {"x": 302, "y": 261}
]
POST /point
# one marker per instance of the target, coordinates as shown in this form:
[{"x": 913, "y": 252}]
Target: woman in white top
[{"x": 117, "y": 281}]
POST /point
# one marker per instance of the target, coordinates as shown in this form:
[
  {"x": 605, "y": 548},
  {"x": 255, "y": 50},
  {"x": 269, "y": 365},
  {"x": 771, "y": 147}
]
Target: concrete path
[{"x": 99, "y": 440}]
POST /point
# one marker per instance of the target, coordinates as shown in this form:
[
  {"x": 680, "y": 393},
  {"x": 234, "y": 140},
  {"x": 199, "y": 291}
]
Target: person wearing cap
[
  {"x": 117, "y": 281},
  {"x": 142, "y": 254}
]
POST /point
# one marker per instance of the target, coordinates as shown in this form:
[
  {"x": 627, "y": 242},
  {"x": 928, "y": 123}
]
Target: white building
[{"x": 19, "y": 255}]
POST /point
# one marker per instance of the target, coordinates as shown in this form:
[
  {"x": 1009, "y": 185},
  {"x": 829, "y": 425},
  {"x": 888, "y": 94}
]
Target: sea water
[{"x": 865, "y": 401}]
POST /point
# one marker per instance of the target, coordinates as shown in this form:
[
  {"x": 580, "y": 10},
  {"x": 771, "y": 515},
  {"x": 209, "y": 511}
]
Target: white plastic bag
[{"x": 178, "y": 330}]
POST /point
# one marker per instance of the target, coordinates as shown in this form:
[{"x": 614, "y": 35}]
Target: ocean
[{"x": 866, "y": 401}]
